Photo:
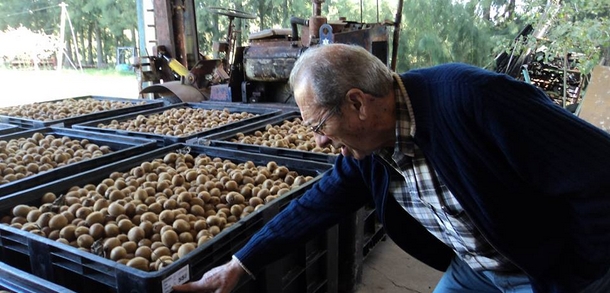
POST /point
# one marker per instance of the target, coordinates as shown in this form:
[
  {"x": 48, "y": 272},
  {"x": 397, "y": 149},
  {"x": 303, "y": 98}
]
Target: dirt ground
[{"x": 25, "y": 87}]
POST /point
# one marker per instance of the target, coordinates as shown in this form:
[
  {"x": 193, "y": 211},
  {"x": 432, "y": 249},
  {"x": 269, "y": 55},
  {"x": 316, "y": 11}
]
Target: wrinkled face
[{"x": 347, "y": 130}]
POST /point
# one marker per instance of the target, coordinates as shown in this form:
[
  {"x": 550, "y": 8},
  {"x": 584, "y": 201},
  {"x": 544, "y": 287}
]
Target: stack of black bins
[
  {"x": 222, "y": 139},
  {"x": 311, "y": 267},
  {"x": 28, "y": 123},
  {"x": 121, "y": 147},
  {"x": 6, "y": 128},
  {"x": 15, "y": 280},
  {"x": 358, "y": 234},
  {"x": 165, "y": 140}
]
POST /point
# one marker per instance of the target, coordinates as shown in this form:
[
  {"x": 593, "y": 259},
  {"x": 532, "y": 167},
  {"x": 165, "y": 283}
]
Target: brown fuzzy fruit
[
  {"x": 136, "y": 234},
  {"x": 169, "y": 238},
  {"x": 138, "y": 263},
  {"x": 57, "y": 222}
]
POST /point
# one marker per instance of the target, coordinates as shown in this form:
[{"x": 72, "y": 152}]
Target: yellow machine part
[{"x": 177, "y": 67}]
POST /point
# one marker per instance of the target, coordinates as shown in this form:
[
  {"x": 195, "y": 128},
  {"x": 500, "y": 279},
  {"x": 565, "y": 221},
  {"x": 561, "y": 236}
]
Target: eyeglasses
[{"x": 318, "y": 128}]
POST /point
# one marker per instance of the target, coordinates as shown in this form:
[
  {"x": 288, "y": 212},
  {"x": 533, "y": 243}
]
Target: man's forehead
[
  {"x": 308, "y": 110},
  {"x": 307, "y": 113},
  {"x": 303, "y": 96}
]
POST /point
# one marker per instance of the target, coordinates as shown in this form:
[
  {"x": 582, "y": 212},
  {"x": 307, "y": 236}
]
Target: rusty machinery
[
  {"x": 257, "y": 72},
  {"x": 557, "y": 76}
]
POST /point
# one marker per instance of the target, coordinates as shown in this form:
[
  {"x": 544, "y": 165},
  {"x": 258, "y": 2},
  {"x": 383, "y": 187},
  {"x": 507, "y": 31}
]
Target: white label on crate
[{"x": 181, "y": 276}]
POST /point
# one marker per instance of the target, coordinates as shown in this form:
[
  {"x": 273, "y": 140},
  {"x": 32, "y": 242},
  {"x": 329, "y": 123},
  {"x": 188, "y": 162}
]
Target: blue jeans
[{"x": 460, "y": 278}]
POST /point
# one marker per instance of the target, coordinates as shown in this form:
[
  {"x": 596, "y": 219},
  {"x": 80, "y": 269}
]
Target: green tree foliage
[
  {"x": 432, "y": 32},
  {"x": 104, "y": 21},
  {"x": 110, "y": 22},
  {"x": 36, "y": 15},
  {"x": 442, "y": 31},
  {"x": 208, "y": 25},
  {"x": 580, "y": 26}
]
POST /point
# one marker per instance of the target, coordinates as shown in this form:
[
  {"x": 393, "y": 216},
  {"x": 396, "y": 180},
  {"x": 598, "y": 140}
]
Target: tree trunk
[
  {"x": 100, "y": 54},
  {"x": 510, "y": 10},
  {"x": 261, "y": 13},
  {"x": 83, "y": 47},
  {"x": 286, "y": 14},
  {"x": 134, "y": 38},
  {"x": 215, "y": 29},
  {"x": 90, "y": 45},
  {"x": 69, "y": 60},
  {"x": 238, "y": 23},
  {"x": 486, "y": 8},
  {"x": 117, "y": 44}
]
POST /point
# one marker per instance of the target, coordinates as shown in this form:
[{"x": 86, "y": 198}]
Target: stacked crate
[
  {"x": 358, "y": 233},
  {"x": 80, "y": 269},
  {"x": 136, "y": 140}
]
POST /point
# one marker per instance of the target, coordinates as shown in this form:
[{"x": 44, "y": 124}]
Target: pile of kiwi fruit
[
  {"x": 57, "y": 110},
  {"x": 291, "y": 134},
  {"x": 158, "y": 211},
  {"x": 179, "y": 122},
  {"x": 27, "y": 156}
]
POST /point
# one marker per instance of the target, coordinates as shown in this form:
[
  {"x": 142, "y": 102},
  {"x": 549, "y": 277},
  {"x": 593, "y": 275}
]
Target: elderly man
[{"x": 472, "y": 172}]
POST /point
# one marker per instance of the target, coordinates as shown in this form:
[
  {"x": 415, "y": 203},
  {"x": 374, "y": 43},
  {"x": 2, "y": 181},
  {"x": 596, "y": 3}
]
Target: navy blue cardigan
[{"x": 534, "y": 178}]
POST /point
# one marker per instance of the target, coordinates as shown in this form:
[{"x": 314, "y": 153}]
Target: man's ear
[{"x": 356, "y": 99}]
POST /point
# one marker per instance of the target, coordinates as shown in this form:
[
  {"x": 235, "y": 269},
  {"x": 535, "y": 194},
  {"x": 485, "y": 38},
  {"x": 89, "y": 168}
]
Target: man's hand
[{"x": 221, "y": 279}]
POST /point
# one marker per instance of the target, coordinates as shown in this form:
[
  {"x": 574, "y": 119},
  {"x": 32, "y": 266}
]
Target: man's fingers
[
  {"x": 189, "y": 287},
  {"x": 220, "y": 279}
]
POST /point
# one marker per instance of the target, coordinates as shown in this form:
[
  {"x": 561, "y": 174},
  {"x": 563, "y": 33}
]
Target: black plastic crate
[
  {"x": 15, "y": 280},
  {"x": 312, "y": 267},
  {"x": 9, "y": 128},
  {"x": 122, "y": 147},
  {"x": 221, "y": 139},
  {"x": 138, "y": 105},
  {"x": 165, "y": 140},
  {"x": 358, "y": 235},
  {"x": 373, "y": 230},
  {"x": 285, "y": 108}
]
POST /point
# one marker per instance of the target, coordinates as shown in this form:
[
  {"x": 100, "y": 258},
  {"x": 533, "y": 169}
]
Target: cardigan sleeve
[{"x": 339, "y": 192}]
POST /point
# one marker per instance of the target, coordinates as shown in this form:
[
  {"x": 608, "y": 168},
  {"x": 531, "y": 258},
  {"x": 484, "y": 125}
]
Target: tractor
[{"x": 254, "y": 73}]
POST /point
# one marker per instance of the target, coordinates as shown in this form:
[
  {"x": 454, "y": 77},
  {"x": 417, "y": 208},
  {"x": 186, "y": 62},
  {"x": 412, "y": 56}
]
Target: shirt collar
[{"x": 405, "y": 124}]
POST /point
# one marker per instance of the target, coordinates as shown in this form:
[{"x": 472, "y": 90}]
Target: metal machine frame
[{"x": 257, "y": 72}]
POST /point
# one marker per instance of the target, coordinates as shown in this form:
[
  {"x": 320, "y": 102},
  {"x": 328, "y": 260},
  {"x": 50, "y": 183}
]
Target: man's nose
[{"x": 322, "y": 140}]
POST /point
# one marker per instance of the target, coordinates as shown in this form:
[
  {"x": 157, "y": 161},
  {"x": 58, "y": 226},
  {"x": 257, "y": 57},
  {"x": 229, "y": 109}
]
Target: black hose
[{"x": 295, "y": 31}]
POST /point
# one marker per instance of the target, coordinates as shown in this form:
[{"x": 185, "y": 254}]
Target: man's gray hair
[{"x": 335, "y": 69}]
